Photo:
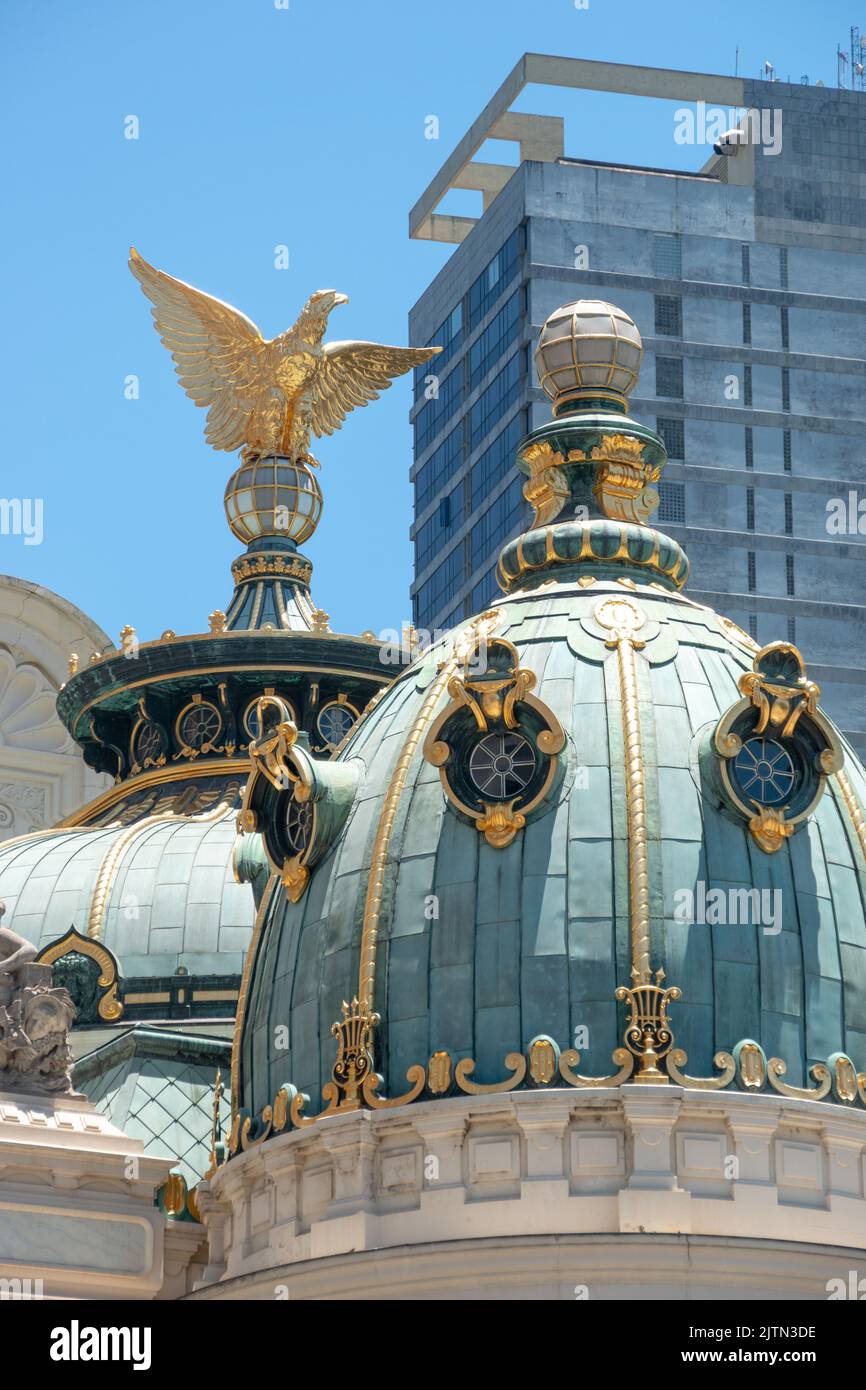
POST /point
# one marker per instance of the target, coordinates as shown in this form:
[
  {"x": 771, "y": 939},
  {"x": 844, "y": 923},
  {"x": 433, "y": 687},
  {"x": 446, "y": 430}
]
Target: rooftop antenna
[
  {"x": 841, "y": 64},
  {"x": 769, "y": 71},
  {"x": 858, "y": 60},
  {"x": 737, "y": 61}
]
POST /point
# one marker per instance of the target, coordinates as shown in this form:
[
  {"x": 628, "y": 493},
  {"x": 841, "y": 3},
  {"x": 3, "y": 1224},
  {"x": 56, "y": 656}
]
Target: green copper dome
[
  {"x": 594, "y": 835},
  {"x": 138, "y": 899}
]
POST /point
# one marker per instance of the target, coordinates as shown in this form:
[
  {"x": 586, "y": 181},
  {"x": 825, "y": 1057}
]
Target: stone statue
[
  {"x": 35, "y": 1020},
  {"x": 15, "y": 951}
]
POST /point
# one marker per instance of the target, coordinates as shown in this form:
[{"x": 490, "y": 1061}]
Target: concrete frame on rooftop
[{"x": 542, "y": 138}]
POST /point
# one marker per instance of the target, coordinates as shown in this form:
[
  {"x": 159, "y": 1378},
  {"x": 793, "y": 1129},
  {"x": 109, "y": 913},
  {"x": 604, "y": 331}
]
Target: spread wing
[
  {"x": 217, "y": 352},
  {"x": 353, "y": 374}
]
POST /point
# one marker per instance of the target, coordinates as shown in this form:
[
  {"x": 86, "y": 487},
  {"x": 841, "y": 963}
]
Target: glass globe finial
[
  {"x": 273, "y": 496},
  {"x": 589, "y": 353}
]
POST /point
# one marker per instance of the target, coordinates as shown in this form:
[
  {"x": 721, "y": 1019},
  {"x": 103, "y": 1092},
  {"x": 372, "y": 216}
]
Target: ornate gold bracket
[
  {"x": 270, "y": 752},
  {"x": 769, "y": 829},
  {"x": 294, "y": 877},
  {"x": 779, "y": 704},
  {"x": 417, "y": 1078},
  {"x": 500, "y": 823},
  {"x": 570, "y": 1061},
  {"x": 515, "y": 1062},
  {"x": 354, "y": 1082},
  {"x": 546, "y": 489},
  {"x": 623, "y": 480},
  {"x": 820, "y": 1073},
  {"x": 784, "y": 697},
  {"x": 354, "y": 1034},
  {"x": 676, "y": 1059},
  {"x": 492, "y": 690}
]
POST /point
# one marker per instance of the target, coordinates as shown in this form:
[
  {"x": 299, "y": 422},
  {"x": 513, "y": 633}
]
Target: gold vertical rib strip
[
  {"x": 240, "y": 1013},
  {"x": 279, "y": 596},
  {"x": 257, "y": 604},
  {"x": 111, "y": 862},
  {"x": 853, "y": 807},
  {"x": 638, "y": 840},
  {"x": 624, "y": 619},
  {"x": 373, "y": 903}
]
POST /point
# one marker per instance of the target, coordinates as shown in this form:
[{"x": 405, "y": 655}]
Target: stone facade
[
  {"x": 42, "y": 773},
  {"x": 655, "y": 1191},
  {"x": 77, "y": 1215}
]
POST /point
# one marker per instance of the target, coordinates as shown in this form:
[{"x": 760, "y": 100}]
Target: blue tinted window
[
  {"x": 493, "y": 280},
  {"x": 496, "y": 461},
  {"x": 507, "y": 515},
  {"x": 673, "y": 436},
  {"x": 429, "y": 420},
  {"x": 495, "y": 401},
  {"x": 499, "y": 334},
  {"x": 484, "y": 592},
  {"x": 439, "y": 469},
  {"x": 438, "y": 529},
  {"x": 448, "y": 336},
  {"x": 672, "y": 503},
  {"x": 440, "y": 587}
]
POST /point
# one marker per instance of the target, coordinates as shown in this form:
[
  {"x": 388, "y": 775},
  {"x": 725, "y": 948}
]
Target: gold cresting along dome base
[{"x": 588, "y": 348}]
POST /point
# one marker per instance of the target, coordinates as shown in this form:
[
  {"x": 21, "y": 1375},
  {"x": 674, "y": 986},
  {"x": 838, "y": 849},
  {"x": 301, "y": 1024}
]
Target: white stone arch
[{"x": 43, "y": 776}]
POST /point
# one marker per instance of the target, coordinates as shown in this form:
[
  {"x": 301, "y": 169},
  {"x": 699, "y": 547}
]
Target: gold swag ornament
[{"x": 266, "y": 395}]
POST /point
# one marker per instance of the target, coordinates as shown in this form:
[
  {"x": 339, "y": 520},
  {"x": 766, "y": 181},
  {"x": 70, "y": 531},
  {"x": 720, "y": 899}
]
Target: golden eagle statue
[{"x": 265, "y": 396}]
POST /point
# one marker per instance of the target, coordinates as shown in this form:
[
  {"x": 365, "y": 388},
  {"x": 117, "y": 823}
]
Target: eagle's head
[
  {"x": 326, "y": 300},
  {"x": 313, "y": 319}
]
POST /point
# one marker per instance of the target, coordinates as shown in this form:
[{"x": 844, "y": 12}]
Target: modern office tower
[{"x": 747, "y": 280}]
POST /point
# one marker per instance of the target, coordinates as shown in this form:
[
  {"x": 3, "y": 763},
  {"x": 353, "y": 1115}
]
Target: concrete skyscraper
[{"x": 747, "y": 279}]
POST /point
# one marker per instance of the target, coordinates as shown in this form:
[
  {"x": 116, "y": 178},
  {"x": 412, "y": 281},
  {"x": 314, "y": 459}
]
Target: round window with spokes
[
  {"x": 764, "y": 772},
  {"x": 299, "y": 825},
  {"x": 501, "y": 766},
  {"x": 198, "y": 725},
  {"x": 335, "y": 721},
  {"x": 147, "y": 744}
]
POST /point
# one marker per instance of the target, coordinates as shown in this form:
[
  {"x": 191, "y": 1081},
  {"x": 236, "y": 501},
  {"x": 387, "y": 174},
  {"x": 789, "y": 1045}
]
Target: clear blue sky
[{"x": 261, "y": 126}]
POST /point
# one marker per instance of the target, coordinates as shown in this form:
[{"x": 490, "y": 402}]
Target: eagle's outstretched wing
[
  {"x": 354, "y": 373},
  {"x": 216, "y": 350}
]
